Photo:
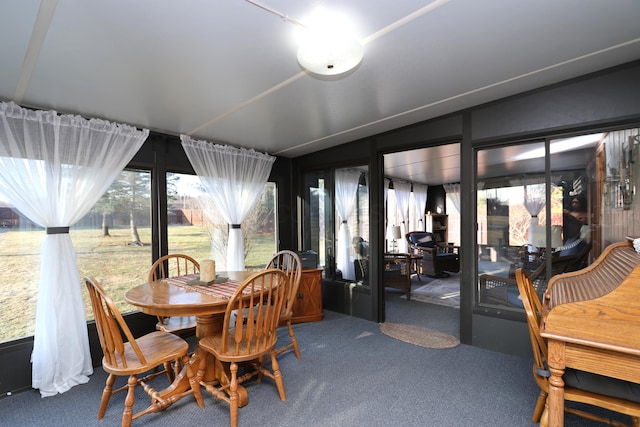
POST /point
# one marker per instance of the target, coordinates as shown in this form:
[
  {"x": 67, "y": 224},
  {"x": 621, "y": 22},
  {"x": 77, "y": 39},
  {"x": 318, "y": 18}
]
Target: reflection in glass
[{"x": 514, "y": 227}]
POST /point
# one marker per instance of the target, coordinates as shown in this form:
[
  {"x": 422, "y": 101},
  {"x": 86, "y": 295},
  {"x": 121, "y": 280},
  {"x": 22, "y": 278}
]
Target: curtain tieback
[
  {"x": 235, "y": 225},
  {"x": 57, "y": 230}
]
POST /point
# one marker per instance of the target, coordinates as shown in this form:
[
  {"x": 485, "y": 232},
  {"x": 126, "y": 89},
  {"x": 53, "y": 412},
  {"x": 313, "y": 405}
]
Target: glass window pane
[
  {"x": 112, "y": 243},
  {"x": 512, "y": 209},
  {"x": 453, "y": 223},
  {"x": 20, "y": 242},
  {"x": 511, "y": 200},
  {"x": 357, "y": 222},
  {"x": 318, "y": 219},
  {"x": 196, "y": 227}
]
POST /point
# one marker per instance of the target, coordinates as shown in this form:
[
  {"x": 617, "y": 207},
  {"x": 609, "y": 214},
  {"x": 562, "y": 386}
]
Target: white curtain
[
  {"x": 534, "y": 200},
  {"x": 386, "y": 189},
  {"x": 403, "y": 194},
  {"x": 420, "y": 200},
  {"x": 453, "y": 191},
  {"x": 346, "y": 193},
  {"x": 53, "y": 169},
  {"x": 234, "y": 178}
]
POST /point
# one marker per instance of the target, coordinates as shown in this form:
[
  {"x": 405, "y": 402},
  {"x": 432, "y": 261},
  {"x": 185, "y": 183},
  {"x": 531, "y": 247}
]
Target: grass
[{"x": 116, "y": 264}]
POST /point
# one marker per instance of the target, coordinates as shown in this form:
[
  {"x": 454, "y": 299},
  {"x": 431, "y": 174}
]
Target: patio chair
[
  {"x": 289, "y": 262},
  {"x": 174, "y": 265},
  {"x": 134, "y": 357},
  {"x": 504, "y": 290},
  {"x": 437, "y": 258},
  {"x": 247, "y": 337}
]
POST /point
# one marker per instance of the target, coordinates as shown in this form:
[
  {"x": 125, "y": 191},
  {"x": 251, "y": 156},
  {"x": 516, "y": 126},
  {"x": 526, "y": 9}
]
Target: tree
[
  {"x": 109, "y": 204},
  {"x": 137, "y": 188},
  {"x": 130, "y": 193}
]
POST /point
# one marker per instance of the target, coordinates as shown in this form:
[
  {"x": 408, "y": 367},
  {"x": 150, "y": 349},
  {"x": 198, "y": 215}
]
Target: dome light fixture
[
  {"x": 327, "y": 43},
  {"x": 328, "y": 47},
  {"x": 326, "y": 54}
]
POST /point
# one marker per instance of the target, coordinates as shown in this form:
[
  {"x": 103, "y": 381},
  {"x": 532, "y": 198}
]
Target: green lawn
[{"x": 116, "y": 264}]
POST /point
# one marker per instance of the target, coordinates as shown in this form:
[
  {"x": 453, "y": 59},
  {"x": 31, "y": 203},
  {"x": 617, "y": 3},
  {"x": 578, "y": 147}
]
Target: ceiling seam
[
  {"x": 247, "y": 102},
  {"x": 389, "y": 28},
  {"x": 463, "y": 94},
  {"x": 40, "y": 29}
]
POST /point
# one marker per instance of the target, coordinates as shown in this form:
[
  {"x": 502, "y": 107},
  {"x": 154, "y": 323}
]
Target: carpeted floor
[
  {"x": 350, "y": 374},
  {"x": 441, "y": 291}
]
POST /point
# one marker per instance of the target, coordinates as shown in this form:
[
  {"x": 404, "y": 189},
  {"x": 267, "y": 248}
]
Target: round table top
[{"x": 161, "y": 298}]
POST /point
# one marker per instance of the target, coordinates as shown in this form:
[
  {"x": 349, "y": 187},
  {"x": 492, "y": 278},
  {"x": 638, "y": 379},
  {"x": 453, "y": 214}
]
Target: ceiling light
[
  {"x": 327, "y": 43},
  {"x": 329, "y": 55},
  {"x": 328, "y": 47}
]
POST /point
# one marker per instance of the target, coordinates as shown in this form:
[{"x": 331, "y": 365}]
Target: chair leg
[
  {"x": 169, "y": 369},
  {"x": 106, "y": 395},
  {"x": 233, "y": 395},
  {"x": 540, "y": 403},
  {"x": 128, "y": 401},
  {"x": 193, "y": 382},
  {"x": 544, "y": 419},
  {"x": 293, "y": 339},
  {"x": 277, "y": 376}
]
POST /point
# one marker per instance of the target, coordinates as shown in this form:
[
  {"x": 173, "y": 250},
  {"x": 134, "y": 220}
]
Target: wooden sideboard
[{"x": 308, "y": 305}]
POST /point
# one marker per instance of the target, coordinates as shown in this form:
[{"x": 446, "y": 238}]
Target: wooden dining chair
[
  {"x": 584, "y": 387},
  {"x": 134, "y": 357},
  {"x": 289, "y": 262},
  {"x": 246, "y": 338},
  {"x": 174, "y": 265}
]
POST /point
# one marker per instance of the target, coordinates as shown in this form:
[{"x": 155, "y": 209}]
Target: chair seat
[
  {"x": 173, "y": 347},
  {"x": 213, "y": 344},
  {"x": 177, "y": 324}
]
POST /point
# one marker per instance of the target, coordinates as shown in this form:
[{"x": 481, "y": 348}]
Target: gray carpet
[{"x": 350, "y": 374}]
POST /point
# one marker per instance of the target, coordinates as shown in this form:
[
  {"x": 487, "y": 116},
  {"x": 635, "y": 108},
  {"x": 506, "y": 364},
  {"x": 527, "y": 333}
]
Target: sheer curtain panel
[
  {"x": 534, "y": 199},
  {"x": 233, "y": 179},
  {"x": 420, "y": 200},
  {"x": 403, "y": 195},
  {"x": 346, "y": 194},
  {"x": 53, "y": 168},
  {"x": 453, "y": 191}
]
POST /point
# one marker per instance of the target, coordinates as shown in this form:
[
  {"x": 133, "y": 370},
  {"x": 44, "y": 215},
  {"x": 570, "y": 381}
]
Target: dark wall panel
[
  {"x": 15, "y": 360},
  {"x": 351, "y": 154},
  {"x": 590, "y": 100},
  {"x": 502, "y": 335},
  {"x": 441, "y": 129}
]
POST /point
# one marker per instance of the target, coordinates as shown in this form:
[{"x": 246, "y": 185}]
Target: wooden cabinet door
[{"x": 308, "y": 305}]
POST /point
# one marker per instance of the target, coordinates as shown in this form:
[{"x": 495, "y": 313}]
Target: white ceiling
[{"x": 226, "y": 70}]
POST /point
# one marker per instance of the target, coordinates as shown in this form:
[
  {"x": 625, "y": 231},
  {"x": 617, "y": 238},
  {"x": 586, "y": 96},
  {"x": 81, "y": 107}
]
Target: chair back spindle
[
  {"x": 254, "y": 329},
  {"x": 290, "y": 263},
  {"x": 173, "y": 265}
]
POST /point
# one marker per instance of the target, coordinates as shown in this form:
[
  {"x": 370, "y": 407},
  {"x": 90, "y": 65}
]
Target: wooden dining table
[{"x": 183, "y": 296}]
